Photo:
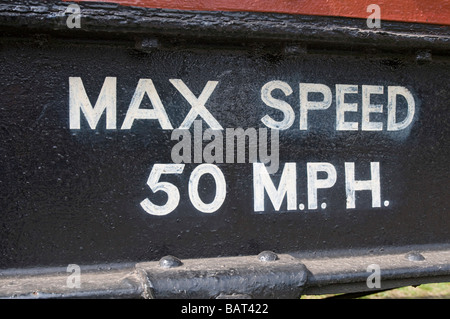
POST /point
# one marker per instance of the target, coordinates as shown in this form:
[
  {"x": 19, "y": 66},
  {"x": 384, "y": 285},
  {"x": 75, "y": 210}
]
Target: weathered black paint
[
  {"x": 73, "y": 196},
  {"x": 111, "y": 21},
  {"x": 221, "y": 278}
]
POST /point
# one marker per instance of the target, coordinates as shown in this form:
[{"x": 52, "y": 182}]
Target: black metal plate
[{"x": 73, "y": 196}]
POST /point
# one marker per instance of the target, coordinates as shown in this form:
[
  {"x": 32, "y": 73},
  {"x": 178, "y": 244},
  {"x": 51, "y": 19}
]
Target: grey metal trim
[
  {"x": 124, "y": 283},
  {"x": 228, "y": 276},
  {"x": 289, "y": 276},
  {"x": 346, "y": 274}
]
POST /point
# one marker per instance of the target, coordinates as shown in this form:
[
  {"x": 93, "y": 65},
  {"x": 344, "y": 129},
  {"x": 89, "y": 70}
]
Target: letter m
[
  {"x": 78, "y": 100},
  {"x": 286, "y": 188}
]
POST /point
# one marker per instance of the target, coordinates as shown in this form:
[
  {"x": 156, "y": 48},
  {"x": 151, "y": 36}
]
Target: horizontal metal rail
[{"x": 264, "y": 276}]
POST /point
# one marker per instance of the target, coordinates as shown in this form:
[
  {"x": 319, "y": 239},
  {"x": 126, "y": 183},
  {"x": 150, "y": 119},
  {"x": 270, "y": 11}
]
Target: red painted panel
[{"x": 421, "y": 11}]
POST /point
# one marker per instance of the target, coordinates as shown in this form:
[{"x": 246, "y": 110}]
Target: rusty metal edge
[{"x": 111, "y": 20}]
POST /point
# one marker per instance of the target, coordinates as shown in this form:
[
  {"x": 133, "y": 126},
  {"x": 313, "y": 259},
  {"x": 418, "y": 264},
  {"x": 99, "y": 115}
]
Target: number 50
[{"x": 173, "y": 195}]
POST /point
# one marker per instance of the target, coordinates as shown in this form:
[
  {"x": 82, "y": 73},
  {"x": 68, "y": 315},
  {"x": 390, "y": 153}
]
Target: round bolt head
[
  {"x": 414, "y": 256},
  {"x": 169, "y": 262},
  {"x": 267, "y": 256}
]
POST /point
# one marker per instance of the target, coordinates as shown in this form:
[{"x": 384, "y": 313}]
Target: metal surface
[
  {"x": 97, "y": 282},
  {"x": 219, "y": 277},
  {"x": 226, "y": 277},
  {"x": 71, "y": 195},
  {"x": 348, "y": 272},
  {"x": 289, "y": 276}
]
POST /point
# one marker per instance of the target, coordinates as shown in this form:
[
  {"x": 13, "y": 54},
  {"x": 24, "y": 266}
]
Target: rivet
[
  {"x": 147, "y": 44},
  {"x": 169, "y": 262},
  {"x": 414, "y": 256},
  {"x": 295, "y": 49},
  {"x": 267, "y": 256},
  {"x": 423, "y": 57}
]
